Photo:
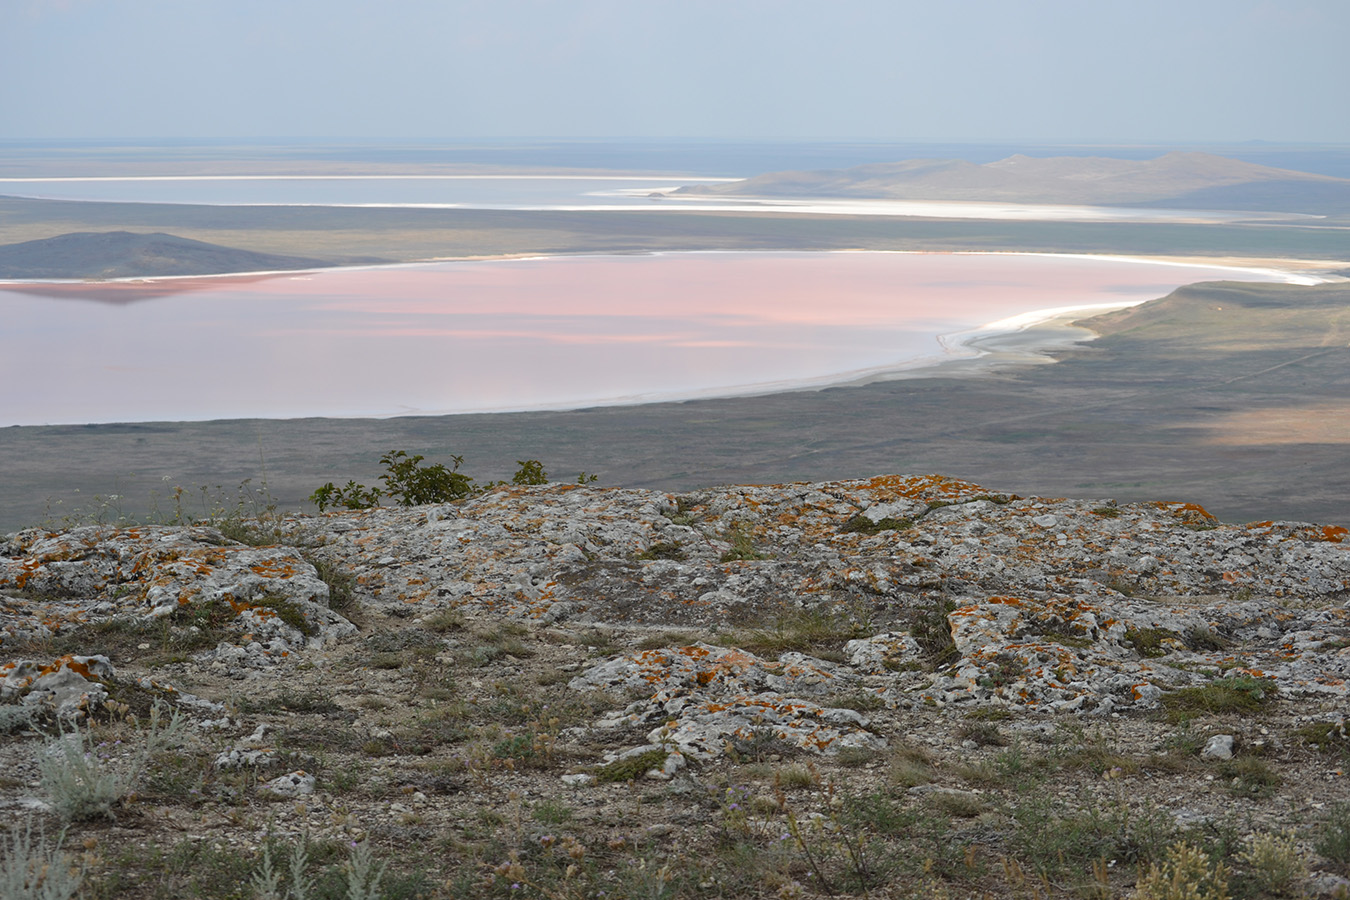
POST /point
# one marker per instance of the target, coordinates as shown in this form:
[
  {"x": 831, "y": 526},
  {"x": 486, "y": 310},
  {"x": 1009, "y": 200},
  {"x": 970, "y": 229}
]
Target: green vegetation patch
[
  {"x": 861, "y": 524},
  {"x": 289, "y": 612},
  {"x": 663, "y": 550},
  {"x": 1238, "y": 694},
  {"x": 631, "y": 768},
  {"x": 1148, "y": 642}
]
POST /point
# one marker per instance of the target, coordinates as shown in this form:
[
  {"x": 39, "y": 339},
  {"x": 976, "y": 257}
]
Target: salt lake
[
  {"x": 596, "y": 193},
  {"x": 547, "y": 333}
]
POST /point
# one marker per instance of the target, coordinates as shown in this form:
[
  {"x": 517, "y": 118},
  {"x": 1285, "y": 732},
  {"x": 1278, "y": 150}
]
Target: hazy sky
[{"x": 1092, "y": 70}]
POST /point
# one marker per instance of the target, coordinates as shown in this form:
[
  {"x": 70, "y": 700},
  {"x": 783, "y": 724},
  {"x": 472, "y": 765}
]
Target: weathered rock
[
  {"x": 1077, "y": 606},
  {"x": 1220, "y": 746},
  {"x": 290, "y": 785},
  {"x": 95, "y": 573},
  {"x": 69, "y": 687}
]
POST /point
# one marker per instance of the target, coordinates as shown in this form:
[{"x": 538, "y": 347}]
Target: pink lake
[{"x": 496, "y": 335}]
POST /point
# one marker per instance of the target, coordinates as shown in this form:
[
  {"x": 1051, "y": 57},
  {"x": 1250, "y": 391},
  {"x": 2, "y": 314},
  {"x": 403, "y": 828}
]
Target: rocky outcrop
[{"x": 948, "y": 595}]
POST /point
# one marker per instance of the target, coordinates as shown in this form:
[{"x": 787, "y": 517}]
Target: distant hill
[
  {"x": 126, "y": 254},
  {"x": 1181, "y": 179}
]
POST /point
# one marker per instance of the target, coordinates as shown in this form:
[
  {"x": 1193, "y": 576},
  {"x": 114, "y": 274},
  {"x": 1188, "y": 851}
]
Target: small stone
[
  {"x": 580, "y": 779},
  {"x": 1220, "y": 746},
  {"x": 292, "y": 784}
]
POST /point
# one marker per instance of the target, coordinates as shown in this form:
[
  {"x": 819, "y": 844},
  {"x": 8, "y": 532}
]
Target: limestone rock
[{"x": 1219, "y": 746}]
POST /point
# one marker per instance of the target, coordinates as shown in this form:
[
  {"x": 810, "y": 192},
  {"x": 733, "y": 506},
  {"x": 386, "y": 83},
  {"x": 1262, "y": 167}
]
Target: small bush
[
  {"x": 1186, "y": 874},
  {"x": 84, "y": 784},
  {"x": 350, "y": 496},
  {"x": 407, "y": 481},
  {"x": 81, "y": 784},
  {"x": 413, "y": 484},
  {"x": 531, "y": 471},
  {"x": 1273, "y": 864}
]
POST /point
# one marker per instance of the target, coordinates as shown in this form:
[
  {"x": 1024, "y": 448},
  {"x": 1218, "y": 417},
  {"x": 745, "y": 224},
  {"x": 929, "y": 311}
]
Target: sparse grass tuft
[
  {"x": 288, "y": 612},
  {"x": 933, "y": 632},
  {"x": 806, "y": 631},
  {"x": 742, "y": 547},
  {"x": 1333, "y": 837},
  {"x": 341, "y": 587},
  {"x": 1250, "y": 776},
  {"x": 984, "y": 734},
  {"x": 446, "y": 620}
]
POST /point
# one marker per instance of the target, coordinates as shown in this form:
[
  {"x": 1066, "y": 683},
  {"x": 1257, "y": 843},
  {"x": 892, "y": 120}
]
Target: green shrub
[
  {"x": 351, "y": 496},
  {"x": 408, "y": 482},
  {"x": 412, "y": 484},
  {"x": 531, "y": 471}
]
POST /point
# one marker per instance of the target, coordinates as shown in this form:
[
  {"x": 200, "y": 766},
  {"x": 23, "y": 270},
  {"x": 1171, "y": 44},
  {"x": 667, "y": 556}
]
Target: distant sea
[{"x": 707, "y": 158}]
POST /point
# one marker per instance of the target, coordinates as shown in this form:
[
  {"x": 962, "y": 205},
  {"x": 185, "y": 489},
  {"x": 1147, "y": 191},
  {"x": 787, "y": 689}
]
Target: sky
[{"x": 898, "y": 70}]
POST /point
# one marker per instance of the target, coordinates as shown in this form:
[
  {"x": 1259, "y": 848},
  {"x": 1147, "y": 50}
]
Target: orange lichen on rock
[{"x": 1334, "y": 534}]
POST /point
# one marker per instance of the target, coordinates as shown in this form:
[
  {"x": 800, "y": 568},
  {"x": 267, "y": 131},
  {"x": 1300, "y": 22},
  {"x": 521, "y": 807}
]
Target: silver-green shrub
[
  {"x": 31, "y": 870},
  {"x": 84, "y": 785}
]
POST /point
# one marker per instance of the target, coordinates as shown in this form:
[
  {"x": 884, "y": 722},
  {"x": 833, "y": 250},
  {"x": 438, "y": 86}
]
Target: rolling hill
[
  {"x": 1179, "y": 179},
  {"x": 126, "y": 254}
]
